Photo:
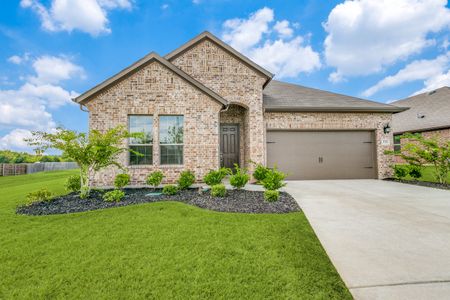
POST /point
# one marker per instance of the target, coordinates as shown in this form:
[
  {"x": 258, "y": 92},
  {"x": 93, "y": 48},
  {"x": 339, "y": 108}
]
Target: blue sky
[{"x": 54, "y": 50}]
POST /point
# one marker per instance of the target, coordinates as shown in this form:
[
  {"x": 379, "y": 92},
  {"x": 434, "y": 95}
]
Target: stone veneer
[
  {"x": 233, "y": 80},
  {"x": 325, "y": 120},
  {"x": 155, "y": 90}
]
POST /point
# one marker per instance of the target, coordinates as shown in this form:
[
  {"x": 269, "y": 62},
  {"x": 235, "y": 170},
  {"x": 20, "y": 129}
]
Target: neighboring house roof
[
  {"x": 427, "y": 111},
  {"x": 86, "y": 96},
  {"x": 207, "y": 35},
  {"x": 284, "y": 97}
]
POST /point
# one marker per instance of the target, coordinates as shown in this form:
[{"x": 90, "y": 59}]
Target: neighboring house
[
  {"x": 428, "y": 114},
  {"x": 205, "y": 105}
]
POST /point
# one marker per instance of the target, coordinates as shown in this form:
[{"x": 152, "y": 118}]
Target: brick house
[
  {"x": 428, "y": 114},
  {"x": 205, "y": 105}
]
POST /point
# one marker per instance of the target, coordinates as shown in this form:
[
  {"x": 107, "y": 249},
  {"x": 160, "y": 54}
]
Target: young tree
[
  {"x": 91, "y": 152},
  {"x": 419, "y": 151}
]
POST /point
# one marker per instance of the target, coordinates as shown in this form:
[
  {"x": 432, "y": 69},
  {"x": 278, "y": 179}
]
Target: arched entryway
[{"x": 233, "y": 136}]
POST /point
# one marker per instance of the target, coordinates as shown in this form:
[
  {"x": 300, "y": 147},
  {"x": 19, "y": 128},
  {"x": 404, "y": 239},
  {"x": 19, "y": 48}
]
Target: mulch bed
[
  {"x": 421, "y": 183},
  {"x": 236, "y": 201}
]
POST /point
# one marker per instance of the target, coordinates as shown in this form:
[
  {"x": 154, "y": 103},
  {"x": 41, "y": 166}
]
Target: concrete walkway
[{"x": 387, "y": 240}]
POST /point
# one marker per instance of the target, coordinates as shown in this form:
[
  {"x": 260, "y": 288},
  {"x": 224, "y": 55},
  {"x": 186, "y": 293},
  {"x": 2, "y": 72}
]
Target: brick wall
[
  {"x": 320, "y": 120},
  {"x": 235, "y": 81},
  {"x": 155, "y": 90}
]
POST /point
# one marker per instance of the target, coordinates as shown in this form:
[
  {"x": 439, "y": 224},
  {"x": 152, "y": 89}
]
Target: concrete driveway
[{"x": 387, "y": 240}]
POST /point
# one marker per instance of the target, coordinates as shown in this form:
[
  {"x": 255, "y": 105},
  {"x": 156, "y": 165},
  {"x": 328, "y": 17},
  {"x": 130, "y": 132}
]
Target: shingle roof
[
  {"x": 282, "y": 96},
  {"x": 86, "y": 96},
  {"x": 427, "y": 111}
]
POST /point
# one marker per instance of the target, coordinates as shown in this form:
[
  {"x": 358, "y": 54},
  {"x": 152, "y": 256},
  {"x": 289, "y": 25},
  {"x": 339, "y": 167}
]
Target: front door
[{"x": 229, "y": 145}]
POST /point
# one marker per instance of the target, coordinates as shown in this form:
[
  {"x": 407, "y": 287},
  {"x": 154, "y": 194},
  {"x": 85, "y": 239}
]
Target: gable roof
[
  {"x": 285, "y": 97},
  {"x": 207, "y": 35},
  {"x": 86, "y": 96},
  {"x": 427, "y": 111}
]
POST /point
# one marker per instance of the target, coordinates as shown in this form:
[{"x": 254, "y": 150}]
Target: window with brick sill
[
  {"x": 144, "y": 146},
  {"x": 171, "y": 140}
]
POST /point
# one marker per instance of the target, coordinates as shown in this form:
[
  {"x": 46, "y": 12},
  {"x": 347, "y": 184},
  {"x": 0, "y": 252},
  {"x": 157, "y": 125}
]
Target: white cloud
[
  {"x": 435, "y": 82},
  {"x": 51, "y": 69},
  {"x": 273, "y": 46},
  {"x": 287, "y": 58},
  {"x": 424, "y": 69},
  {"x": 27, "y": 107},
  {"x": 15, "y": 59},
  {"x": 365, "y": 36},
  {"x": 283, "y": 29},
  {"x": 243, "y": 34},
  {"x": 15, "y": 140},
  {"x": 67, "y": 15}
]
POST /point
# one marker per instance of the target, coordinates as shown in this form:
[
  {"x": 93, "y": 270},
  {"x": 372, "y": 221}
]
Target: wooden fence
[{"x": 20, "y": 169}]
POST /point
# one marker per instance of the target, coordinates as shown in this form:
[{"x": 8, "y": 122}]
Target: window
[
  {"x": 397, "y": 144},
  {"x": 171, "y": 140},
  {"x": 142, "y": 145}
]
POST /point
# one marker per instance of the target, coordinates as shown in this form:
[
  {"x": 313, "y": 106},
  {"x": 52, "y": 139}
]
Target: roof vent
[
  {"x": 431, "y": 93},
  {"x": 420, "y": 116}
]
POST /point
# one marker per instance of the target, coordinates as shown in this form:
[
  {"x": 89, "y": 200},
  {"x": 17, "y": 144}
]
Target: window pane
[
  {"x": 171, "y": 154},
  {"x": 144, "y": 159},
  {"x": 171, "y": 130},
  {"x": 142, "y": 124}
]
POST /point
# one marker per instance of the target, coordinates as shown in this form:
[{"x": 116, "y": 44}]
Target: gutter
[{"x": 334, "y": 109}]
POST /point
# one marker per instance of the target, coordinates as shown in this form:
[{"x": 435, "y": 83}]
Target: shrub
[
  {"x": 274, "y": 179},
  {"x": 400, "y": 171},
  {"x": 186, "y": 179},
  {"x": 240, "y": 178},
  {"x": 73, "y": 183},
  {"x": 260, "y": 172},
  {"x": 415, "y": 171},
  {"x": 39, "y": 196},
  {"x": 121, "y": 180},
  {"x": 216, "y": 176},
  {"x": 218, "y": 190},
  {"x": 271, "y": 196},
  {"x": 154, "y": 179},
  {"x": 170, "y": 190},
  {"x": 113, "y": 196},
  {"x": 92, "y": 152}
]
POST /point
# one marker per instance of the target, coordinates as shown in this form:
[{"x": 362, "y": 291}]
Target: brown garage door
[{"x": 322, "y": 154}]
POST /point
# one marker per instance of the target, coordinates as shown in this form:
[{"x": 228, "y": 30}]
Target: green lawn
[
  {"x": 157, "y": 250},
  {"x": 428, "y": 175}
]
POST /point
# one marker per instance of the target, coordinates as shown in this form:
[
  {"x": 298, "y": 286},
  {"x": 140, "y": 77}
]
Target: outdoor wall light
[{"x": 387, "y": 128}]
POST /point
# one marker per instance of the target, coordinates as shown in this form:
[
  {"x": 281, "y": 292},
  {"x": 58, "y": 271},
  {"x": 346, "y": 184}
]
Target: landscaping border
[{"x": 239, "y": 201}]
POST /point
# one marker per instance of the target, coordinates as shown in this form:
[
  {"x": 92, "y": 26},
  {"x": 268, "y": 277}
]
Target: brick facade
[
  {"x": 333, "y": 121},
  {"x": 235, "y": 81},
  {"x": 155, "y": 90}
]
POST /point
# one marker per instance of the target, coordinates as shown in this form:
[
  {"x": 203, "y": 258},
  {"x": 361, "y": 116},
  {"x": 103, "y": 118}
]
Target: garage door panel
[{"x": 322, "y": 154}]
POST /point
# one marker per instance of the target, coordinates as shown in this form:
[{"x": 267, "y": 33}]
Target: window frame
[
  {"x": 142, "y": 145},
  {"x": 171, "y": 144}
]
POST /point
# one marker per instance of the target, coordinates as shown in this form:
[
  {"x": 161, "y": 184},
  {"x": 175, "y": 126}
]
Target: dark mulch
[
  {"x": 422, "y": 183},
  {"x": 236, "y": 201}
]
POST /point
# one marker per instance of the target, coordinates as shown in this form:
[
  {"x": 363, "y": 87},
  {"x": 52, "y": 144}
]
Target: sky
[{"x": 53, "y": 50}]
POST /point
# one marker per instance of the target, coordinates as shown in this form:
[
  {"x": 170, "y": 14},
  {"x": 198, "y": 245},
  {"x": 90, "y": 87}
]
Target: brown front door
[{"x": 229, "y": 145}]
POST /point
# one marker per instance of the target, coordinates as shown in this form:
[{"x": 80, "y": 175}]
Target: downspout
[{"x": 83, "y": 108}]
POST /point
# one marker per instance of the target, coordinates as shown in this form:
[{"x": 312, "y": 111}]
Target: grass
[
  {"x": 157, "y": 251},
  {"x": 428, "y": 175}
]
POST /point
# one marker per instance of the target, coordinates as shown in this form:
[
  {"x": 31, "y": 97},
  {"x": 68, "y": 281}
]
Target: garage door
[{"x": 322, "y": 154}]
